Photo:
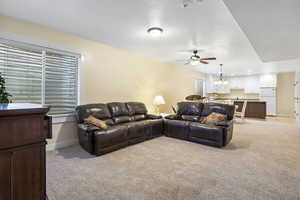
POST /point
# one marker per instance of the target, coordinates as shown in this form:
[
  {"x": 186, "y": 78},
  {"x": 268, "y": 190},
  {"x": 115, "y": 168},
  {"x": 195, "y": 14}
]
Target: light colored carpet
[{"x": 262, "y": 162}]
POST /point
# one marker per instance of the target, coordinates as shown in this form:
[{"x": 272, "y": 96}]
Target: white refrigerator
[{"x": 268, "y": 94}]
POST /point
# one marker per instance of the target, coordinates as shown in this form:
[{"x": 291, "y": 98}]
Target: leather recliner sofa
[
  {"x": 128, "y": 123},
  {"x": 186, "y": 123}
]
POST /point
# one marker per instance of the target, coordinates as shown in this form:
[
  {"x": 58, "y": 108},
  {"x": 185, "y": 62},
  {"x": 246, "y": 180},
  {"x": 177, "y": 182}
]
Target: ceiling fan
[{"x": 195, "y": 59}]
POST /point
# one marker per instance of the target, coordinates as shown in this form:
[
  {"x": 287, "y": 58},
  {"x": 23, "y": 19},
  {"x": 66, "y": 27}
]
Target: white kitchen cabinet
[
  {"x": 235, "y": 83},
  {"x": 268, "y": 80},
  {"x": 251, "y": 85},
  {"x": 209, "y": 84}
]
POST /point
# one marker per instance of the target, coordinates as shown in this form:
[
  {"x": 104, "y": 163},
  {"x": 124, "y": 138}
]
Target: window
[{"x": 40, "y": 75}]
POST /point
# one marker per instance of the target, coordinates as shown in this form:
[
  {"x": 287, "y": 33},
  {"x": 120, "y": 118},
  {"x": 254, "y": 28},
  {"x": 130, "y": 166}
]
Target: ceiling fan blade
[
  {"x": 203, "y": 62},
  {"x": 187, "y": 63},
  {"x": 211, "y": 58}
]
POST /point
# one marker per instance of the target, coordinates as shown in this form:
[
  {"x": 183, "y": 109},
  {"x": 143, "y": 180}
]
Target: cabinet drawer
[{"x": 21, "y": 131}]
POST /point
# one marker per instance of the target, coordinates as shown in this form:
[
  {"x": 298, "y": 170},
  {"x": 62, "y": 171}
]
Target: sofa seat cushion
[
  {"x": 139, "y": 117},
  {"x": 177, "y": 128},
  {"x": 199, "y": 130},
  {"x": 122, "y": 119},
  {"x": 111, "y": 136},
  {"x": 192, "y": 118}
]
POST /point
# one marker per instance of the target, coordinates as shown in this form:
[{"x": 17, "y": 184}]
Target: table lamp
[{"x": 158, "y": 100}]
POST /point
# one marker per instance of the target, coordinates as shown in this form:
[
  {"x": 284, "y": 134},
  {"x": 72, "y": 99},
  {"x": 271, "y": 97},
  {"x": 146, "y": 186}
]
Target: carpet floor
[{"x": 262, "y": 162}]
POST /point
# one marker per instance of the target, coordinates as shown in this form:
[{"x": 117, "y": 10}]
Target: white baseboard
[{"x": 59, "y": 145}]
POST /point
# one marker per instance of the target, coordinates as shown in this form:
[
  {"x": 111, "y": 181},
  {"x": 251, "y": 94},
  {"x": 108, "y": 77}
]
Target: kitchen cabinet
[
  {"x": 254, "y": 109},
  {"x": 236, "y": 82},
  {"x": 209, "y": 85},
  {"x": 251, "y": 84},
  {"x": 268, "y": 80}
]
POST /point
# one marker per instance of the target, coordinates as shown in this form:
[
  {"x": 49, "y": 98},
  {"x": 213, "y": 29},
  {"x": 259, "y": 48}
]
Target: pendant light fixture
[{"x": 220, "y": 79}]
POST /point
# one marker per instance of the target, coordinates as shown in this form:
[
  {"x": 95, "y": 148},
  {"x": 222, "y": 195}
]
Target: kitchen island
[{"x": 254, "y": 109}]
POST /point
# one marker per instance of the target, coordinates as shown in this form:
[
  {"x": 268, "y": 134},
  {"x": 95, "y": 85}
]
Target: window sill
[{"x": 56, "y": 119}]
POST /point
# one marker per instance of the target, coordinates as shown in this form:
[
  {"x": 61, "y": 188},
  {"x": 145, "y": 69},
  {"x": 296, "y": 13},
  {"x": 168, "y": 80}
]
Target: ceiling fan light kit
[
  {"x": 155, "y": 31},
  {"x": 195, "y": 59}
]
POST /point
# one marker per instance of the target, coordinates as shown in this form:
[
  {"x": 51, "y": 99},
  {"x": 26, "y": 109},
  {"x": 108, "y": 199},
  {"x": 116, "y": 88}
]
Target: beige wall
[
  {"x": 110, "y": 74},
  {"x": 285, "y": 94}
]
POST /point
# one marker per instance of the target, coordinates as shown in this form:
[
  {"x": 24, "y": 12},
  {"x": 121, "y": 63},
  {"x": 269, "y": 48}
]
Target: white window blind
[
  {"x": 40, "y": 75},
  {"x": 61, "y": 82},
  {"x": 22, "y": 70}
]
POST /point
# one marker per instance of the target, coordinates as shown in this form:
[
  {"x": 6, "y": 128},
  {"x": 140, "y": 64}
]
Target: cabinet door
[
  {"x": 210, "y": 84},
  {"x": 251, "y": 85},
  {"x": 268, "y": 80},
  {"x": 5, "y": 175},
  {"x": 29, "y": 173}
]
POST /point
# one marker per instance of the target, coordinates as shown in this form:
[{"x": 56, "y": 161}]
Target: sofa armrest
[
  {"x": 227, "y": 123},
  {"x": 171, "y": 117},
  {"x": 88, "y": 127},
  {"x": 151, "y": 116}
]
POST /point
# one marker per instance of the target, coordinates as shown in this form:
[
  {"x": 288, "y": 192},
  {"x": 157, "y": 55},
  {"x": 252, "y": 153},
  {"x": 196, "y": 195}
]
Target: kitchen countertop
[{"x": 235, "y": 99}]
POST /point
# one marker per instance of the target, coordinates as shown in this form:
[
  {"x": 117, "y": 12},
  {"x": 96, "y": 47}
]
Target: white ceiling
[
  {"x": 123, "y": 24},
  {"x": 272, "y": 27}
]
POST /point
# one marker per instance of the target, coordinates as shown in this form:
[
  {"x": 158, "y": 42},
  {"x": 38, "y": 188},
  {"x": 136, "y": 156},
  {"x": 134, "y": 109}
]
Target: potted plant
[{"x": 5, "y": 97}]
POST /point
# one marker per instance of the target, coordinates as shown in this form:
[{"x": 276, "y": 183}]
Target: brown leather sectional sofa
[
  {"x": 185, "y": 124},
  {"x": 129, "y": 123}
]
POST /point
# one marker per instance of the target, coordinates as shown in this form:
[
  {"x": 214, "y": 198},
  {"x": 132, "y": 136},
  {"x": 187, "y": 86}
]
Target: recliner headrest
[
  {"x": 189, "y": 108},
  {"x": 118, "y": 109},
  {"x": 100, "y": 111},
  {"x": 136, "y": 108}
]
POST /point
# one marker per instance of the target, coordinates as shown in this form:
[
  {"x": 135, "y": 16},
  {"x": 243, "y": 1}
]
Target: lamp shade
[{"x": 158, "y": 100}]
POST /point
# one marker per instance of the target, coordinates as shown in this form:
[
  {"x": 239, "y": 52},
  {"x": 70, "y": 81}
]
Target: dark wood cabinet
[
  {"x": 23, "y": 132},
  {"x": 254, "y": 109}
]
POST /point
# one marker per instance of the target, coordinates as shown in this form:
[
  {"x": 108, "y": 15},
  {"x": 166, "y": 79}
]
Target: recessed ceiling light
[{"x": 155, "y": 31}]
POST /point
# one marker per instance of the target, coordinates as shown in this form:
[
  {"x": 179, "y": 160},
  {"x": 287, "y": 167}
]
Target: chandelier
[{"x": 220, "y": 79}]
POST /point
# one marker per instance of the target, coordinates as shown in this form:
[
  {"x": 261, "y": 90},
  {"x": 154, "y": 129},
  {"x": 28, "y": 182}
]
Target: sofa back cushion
[
  {"x": 99, "y": 111},
  {"x": 224, "y": 109},
  {"x": 189, "y": 108},
  {"x": 136, "y": 108},
  {"x": 118, "y": 109}
]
